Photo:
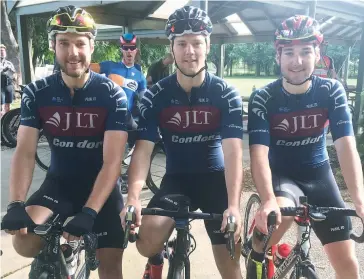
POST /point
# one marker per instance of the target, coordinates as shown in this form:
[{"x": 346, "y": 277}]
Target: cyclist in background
[
  {"x": 325, "y": 66},
  {"x": 7, "y": 89},
  {"x": 200, "y": 119},
  {"x": 126, "y": 73},
  {"x": 83, "y": 116},
  {"x": 288, "y": 119}
]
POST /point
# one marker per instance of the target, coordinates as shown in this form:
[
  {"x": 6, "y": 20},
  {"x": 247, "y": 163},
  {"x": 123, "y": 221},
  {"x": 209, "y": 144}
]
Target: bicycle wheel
[
  {"x": 10, "y": 126},
  {"x": 4, "y": 141},
  {"x": 43, "y": 154},
  {"x": 253, "y": 203},
  {"x": 157, "y": 168}
]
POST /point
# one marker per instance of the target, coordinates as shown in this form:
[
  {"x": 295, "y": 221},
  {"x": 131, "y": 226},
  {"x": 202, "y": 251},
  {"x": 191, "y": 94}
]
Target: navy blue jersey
[
  {"x": 294, "y": 125},
  {"x": 75, "y": 126},
  {"x": 192, "y": 127}
]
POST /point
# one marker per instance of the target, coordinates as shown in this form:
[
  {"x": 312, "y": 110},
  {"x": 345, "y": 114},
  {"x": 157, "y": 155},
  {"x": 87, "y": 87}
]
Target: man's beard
[{"x": 75, "y": 74}]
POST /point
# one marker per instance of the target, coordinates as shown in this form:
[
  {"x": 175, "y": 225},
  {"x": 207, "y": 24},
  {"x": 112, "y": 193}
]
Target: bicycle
[
  {"x": 51, "y": 263},
  {"x": 10, "y": 122},
  {"x": 298, "y": 259},
  {"x": 184, "y": 244}
]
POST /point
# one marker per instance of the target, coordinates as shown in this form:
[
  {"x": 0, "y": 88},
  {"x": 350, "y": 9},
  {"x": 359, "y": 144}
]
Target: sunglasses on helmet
[{"x": 82, "y": 22}]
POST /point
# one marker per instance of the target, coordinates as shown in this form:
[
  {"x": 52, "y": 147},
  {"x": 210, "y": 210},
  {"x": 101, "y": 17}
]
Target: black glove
[
  {"x": 82, "y": 223},
  {"x": 16, "y": 217}
]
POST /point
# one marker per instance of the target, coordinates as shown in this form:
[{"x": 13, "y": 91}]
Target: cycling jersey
[
  {"x": 294, "y": 125},
  {"x": 75, "y": 126},
  {"x": 192, "y": 127},
  {"x": 323, "y": 67},
  {"x": 118, "y": 72}
]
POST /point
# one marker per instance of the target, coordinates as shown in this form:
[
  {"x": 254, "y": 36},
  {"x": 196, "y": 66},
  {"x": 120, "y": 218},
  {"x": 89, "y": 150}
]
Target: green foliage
[
  {"x": 106, "y": 51},
  {"x": 339, "y": 53},
  {"x": 151, "y": 53}
]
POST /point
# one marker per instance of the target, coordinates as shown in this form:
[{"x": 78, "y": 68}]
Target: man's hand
[
  {"x": 16, "y": 220},
  {"x": 80, "y": 225},
  {"x": 138, "y": 213},
  {"x": 130, "y": 84},
  {"x": 261, "y": 217},
  {"x": 232, "y": 211}
]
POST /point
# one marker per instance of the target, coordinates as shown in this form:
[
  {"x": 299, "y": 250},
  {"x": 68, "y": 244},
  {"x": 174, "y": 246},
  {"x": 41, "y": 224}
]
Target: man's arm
[
  {"x": 113, "y": 150},
  {"x": 23, "y": 163},
  {"x": 351, "y": 168},
  {"x": 343, "y": 135},
  {"x": 233, "y": 158},
  {"x": 27, "y": 139},
  {"x": 259, "y": 142},
  {"x": 261, "y": 172},
  {"x": 139, "y": 167}
]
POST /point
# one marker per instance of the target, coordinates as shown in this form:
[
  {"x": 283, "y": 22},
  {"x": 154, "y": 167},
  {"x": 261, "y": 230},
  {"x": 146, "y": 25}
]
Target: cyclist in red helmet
[{"x": 288, "y": 120}]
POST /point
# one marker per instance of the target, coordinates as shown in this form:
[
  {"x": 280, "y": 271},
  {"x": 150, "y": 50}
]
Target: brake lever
[
  {"x": 129, "y": 220},
  {"x": 230, "y": 230},
  {"x": 90, "y": 240},
  {"x": 271, "y": 223}
]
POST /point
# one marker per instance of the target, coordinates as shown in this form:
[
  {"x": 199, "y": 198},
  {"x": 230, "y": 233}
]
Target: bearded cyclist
[
  {"x": 83, "y": 116},
  {"x": 200, "y": 119},
  {"x": 288, "y": 119}
]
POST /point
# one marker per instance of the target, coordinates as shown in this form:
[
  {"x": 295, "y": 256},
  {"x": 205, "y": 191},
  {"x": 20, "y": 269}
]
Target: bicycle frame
[
  {"x": 299, "y": 253},
  {"x": 180, "y": 258}
]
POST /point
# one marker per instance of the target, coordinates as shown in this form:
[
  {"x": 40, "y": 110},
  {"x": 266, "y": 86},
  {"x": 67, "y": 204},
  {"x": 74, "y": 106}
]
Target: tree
[
  {"x": 106, "y": 51},
  {"x": 8, "y": 39}
]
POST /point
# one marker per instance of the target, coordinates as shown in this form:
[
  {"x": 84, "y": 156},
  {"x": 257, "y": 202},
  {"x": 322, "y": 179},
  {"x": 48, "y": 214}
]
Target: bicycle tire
[
  {"x": 10, "y": 125},
  {"x": 4, "y": 141},
  {"x": 41, "y": 163},
  {"x": 253, "y": 199},
  {"x": 149, "y": 182}
]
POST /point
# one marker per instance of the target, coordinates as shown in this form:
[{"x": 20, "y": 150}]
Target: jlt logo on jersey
[
  {"x": 300, "y": 123},
  {"x": 65, "y": 121},
  {"x": 190, "y": 119}
]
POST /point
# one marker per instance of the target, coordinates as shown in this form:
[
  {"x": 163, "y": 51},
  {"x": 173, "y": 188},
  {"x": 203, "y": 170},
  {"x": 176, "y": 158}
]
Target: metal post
[
  {"x": 204, "y": 5},
  {"x": 346, "y": 66},
  {"x": 312, "y": 8},
  {"x": 221, "y": 60},
  {"x": 360, "y": 82},
  {"x": 21, "y": 23}
]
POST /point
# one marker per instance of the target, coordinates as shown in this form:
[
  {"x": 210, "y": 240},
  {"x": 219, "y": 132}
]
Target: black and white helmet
[{"x": 188, "y": 20}]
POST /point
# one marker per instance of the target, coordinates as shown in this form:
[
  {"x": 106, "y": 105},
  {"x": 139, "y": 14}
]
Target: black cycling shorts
[
  {"x": 67, "y": 197},
  {"x": 7, "y": 93},
  {"x": 320, "y": 187},
  {"x": 207, "y": 192}
]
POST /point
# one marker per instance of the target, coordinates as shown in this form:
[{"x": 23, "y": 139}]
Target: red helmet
[{"x": 298, "y": 29}]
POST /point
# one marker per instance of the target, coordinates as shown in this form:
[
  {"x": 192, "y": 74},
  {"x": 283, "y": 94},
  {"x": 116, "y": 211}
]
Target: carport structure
[{"x": 234, "y": 22}]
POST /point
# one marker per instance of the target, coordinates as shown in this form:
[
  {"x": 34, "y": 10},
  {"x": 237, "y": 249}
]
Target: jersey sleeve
[
  {"x": 105, "y": 67},
  {"x": 29, "y": 109},
  {"x": 231, "y": 114},
  {"x": 148, "y": 121},
  {"x": 258, "y": 123},
  {"x": 339, "y": 113},
  {"x": 118, "y": 115}
]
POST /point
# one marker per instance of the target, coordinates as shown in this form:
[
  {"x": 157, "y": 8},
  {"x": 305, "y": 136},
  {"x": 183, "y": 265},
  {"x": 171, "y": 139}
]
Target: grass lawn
[{"x": 245, "y": 84}]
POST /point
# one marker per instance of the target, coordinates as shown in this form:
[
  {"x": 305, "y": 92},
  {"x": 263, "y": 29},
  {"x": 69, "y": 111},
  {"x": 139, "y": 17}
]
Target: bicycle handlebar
[
  {"x": 230, "y": 228},
  {"x": 54, "y": 227},
  {"x": 321, "y": 213}
]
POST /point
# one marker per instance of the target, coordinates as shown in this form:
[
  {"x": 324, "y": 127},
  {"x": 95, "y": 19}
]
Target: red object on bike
[
  {"x": 270, "y": 265},
  {"x": 153, "y": 271},
  {"x": 281, "y": 253}
]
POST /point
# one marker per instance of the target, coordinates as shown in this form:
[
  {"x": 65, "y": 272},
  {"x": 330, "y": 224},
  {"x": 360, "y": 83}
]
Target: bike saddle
[{"x": 177, "y": 200}]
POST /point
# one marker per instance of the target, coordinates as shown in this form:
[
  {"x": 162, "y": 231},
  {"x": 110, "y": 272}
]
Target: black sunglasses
[{"x": 125, "y": 47}]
